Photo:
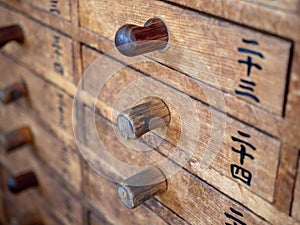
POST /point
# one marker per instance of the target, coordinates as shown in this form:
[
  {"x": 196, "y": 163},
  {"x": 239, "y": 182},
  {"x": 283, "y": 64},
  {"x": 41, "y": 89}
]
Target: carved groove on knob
[
  {"x": 142, "y": 186},
  {"x": 16, "y": 139},
  {"x": 12, "y": 92},
  {"x": 19, "y": 183},
  {"x": 11, "y": 33},
  {"x": 132, "y": 40},
  {"x": 138, "y": 120}
]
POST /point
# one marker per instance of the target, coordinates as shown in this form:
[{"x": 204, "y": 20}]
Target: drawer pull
[
  {"x": 16, "y": 139},
  {"x": 11, "y": 33},
  {"x": 138, "y": 120},
  {"x": 22, "y": 182},
  {"x": 27, "y": 219},
  {"x": 132, "y": 40},
  {"x": 13, "y": 92},
  {"x": 142, "y": 186}
]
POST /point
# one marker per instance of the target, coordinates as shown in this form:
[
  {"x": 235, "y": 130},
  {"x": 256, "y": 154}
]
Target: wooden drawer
[
  {"x": 24, "y": 208},
  {"x": 60, "y": 9},
  {"x": 222, "y": 66},
  {"x": 45, "y": 50},
  {"x": 43, "y": 100},
  {"x": 222, "y": 157},
  {"x": 52, "y": 194},
  {"x": 191, "y": 198},
  {"x": 62, "y": 157}
]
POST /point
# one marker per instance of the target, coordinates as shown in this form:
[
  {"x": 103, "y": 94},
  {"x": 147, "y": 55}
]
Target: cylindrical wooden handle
[
  {"x": 132, "y": 193},
  {"x": 138, "y": 120},
  {"x": 11, "y": 33},
  {"x": 13, "y": 92},
  {"x": 132, "y": 40},
  {"x": 16, "y": 139},
  {"x": 27, "y": 219},
  {"x": 22, "y": 182}
]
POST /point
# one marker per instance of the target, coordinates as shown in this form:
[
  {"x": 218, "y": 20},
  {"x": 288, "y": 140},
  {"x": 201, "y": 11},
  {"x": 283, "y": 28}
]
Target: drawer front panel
[
  {"x": 60, "y": 8},
  {"x": 218, "y": 49},
  {"x": 62, "y": 158},
  {"x": 52, "y": 194},
  {"x": 227, "y": 157},
  {"x": 44, "y": 100},
  {"x": 45, "y": 50}
]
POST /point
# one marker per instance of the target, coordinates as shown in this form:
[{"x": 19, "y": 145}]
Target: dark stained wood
[
  {"x": 12, "y": 92},
  {"x": 16, "y": 139},
  {"x": 11, "y": 33},
  {"x": 132, "y": 40},
  {"x": 22, "y": 182},
  {"x": 140, "y": 187},
  {"x": 138, "y": 120}
]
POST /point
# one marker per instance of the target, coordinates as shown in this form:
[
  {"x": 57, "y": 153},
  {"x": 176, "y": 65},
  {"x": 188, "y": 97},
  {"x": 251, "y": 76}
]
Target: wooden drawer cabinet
[{"x": 210, "y": 118}]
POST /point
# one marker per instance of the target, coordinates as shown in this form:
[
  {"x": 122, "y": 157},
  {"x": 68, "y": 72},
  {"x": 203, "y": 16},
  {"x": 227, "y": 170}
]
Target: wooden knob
[
  {"x": 132, "y": 193},
  {"x": 16, "y": 138},
  {"x": 11, "y": 33},
  {"x": 22, "y": 182},
  {"x": 27, "y": 219},
  {"x": 13, "y": 92},
  {"x": 138, "y": 120},
  {"x": 132, "y": 40}
]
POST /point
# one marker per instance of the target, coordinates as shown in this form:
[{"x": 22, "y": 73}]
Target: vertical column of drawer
[
  {"x": 43, "y": 106},
  {"x": 59, "y": 8},
  {"x": 47, "y": 51},
  {"x": 52, "y": 194}
]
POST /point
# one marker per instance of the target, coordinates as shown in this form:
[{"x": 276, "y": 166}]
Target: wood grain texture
[
  {"x": 200, "y": 60},
  {"x": 11, "y": 33},
  {"x": 51, "y": 193},
  {"x": 212, "y": 122},
  {"x": 43, "y": 101},
  {"x": 132, "y": 40},
  {"x": 289, "y": 5},
  {"x": 137, "y": 189},
  {"x": 192, "y": 199},
  {"x": 296, "y": 197},
  {"x": 24, "y": 207},
  {"x": 266, "y": 18},
  {"x": 151, "y": 114},
  {"x": 60, "y": 156},
  {"x": 45, "y": 49},
  {"x": 15, "y": 139},
  {"x": 59, "y": 8}
]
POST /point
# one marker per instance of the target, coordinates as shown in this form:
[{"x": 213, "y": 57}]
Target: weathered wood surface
[
  {"x": 43, "y": 100},
  {"x": 52, "y": 194},
  {"x": 278, "y": 22},
  {"x": 43, "y": 49},
  {"x": 221, "y": 157},
  {"x": 185, "y": 194},
  {"x": 289, "y": 5},
  {"x": 217, "y": 65},
  {"x": 296, "y": 197},
  {"x": 60, "y": 8},
  {"x": 24, "y": 207},
  {"x": 60, "y": 156}
]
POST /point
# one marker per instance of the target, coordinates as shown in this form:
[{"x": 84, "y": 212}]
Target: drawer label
[{"x": 57, "y": 49}]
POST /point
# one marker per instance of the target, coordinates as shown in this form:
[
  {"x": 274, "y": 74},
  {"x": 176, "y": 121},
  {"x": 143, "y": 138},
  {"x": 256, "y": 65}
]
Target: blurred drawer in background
[
  {"x": 46, "y": 51},
  {"x": 296, "y": 197},
  {"x": 52, "y": 194}
]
